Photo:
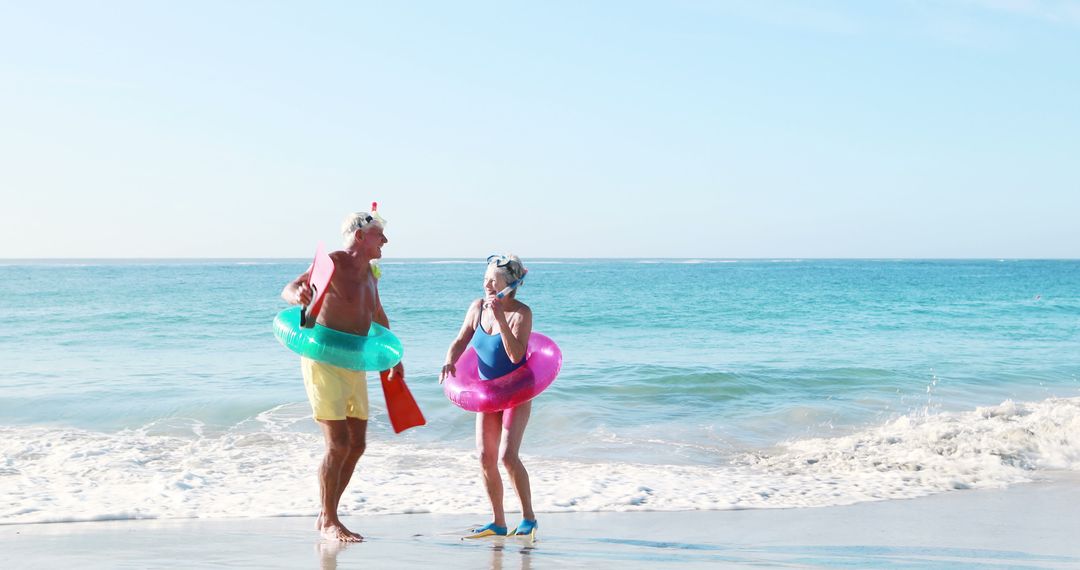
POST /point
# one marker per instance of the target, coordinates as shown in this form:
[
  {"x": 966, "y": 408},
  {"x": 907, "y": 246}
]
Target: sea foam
[{"x": 263, "y": 468}]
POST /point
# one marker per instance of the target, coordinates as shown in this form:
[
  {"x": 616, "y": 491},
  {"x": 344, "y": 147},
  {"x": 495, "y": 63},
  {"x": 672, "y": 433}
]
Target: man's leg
[
  {"x": 336, "y": 434},
  {"x": 357, "y": 429},
  {"x": 337, "y": 392}
]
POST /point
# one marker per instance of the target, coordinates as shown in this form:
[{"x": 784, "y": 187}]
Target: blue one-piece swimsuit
[{"x": 492, "y": 358}]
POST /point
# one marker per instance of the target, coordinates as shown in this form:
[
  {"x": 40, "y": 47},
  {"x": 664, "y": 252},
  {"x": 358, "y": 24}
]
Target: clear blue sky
[{"x": 930, "y": 128}]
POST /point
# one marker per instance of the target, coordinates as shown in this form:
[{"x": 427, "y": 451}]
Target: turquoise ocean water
[{"x": 156, "y": 388}]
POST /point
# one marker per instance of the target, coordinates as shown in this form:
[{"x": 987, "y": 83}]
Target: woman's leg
[
  {"x": 513, "y": 431},
  {"x": 488, "y": 428}
]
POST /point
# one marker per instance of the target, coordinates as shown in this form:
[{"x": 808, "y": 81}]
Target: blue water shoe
[
  {"x": 526, "y": 528},
  {"x": 490, "y": 529}
]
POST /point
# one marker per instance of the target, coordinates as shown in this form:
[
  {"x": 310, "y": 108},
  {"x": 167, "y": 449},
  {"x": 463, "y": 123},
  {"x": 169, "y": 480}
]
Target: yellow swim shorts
[{"x": 335, "y": 393}]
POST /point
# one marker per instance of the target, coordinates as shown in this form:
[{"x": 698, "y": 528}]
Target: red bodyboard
[
  {"x": 400, "y": 404},
  {"x": 322, "y": 269}
]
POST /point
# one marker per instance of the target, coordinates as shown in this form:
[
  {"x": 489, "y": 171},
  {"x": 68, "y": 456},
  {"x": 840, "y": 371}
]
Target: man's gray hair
[{"x": 359, "y": 221}]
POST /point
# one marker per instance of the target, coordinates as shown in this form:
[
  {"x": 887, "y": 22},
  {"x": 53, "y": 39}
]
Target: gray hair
[
  {"x": 510, "y": 265},
  {"x": 359, "y": 221}
]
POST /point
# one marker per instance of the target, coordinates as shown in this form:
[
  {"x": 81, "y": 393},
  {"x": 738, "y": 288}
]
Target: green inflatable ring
[{"x": 379, "y": 350}]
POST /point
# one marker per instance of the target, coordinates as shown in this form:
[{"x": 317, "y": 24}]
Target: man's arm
[
  {"x": 298, "y": 292},
  {"x": 380, "y": 315},
  {"x": 398, "y": 372}
]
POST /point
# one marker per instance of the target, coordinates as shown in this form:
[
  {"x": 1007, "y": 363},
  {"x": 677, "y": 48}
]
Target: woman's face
[{"x": 494, "y": 280}]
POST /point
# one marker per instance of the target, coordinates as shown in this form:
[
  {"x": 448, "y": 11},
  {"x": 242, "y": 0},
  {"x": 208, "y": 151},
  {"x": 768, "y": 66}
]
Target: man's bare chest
[{"x": 354, "y": 292}]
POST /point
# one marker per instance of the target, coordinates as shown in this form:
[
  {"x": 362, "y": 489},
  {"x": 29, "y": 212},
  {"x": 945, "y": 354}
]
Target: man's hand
[
  {"x": 448, "y": 370},
  {"x": 397, "y": 372},
  {"x": 303, "y": 294}
]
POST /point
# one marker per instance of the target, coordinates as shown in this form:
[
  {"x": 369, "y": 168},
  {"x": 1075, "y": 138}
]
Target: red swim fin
[
  {"x": 322, "y": 270},
  {"x": 400, "y": 405}
]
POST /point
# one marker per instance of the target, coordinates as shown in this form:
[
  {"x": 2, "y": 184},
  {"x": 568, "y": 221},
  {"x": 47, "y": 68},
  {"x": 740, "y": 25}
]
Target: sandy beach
[
  {"x": 1026, "y": 526},
  {"x": 727, "y": 284}
]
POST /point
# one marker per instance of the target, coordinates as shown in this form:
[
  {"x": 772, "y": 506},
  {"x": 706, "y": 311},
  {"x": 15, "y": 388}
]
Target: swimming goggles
[
  {"x": 503, "y": 261},
  {"x": 498, "y": 260}
]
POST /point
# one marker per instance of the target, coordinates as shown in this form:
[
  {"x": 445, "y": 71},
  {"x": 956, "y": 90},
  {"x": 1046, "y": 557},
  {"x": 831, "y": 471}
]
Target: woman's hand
[
  {"x": 497, "y": 308},
  {"x": 448, "y": 370},
  {"x": 397, "y": 372}
]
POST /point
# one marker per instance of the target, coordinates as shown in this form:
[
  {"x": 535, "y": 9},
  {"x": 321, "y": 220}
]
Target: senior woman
[{"x": 498, "y": 329}]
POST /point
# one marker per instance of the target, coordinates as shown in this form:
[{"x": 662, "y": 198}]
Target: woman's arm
[
  {"x": 517, "y": 340},
  {"x": 468, "y": 328}
]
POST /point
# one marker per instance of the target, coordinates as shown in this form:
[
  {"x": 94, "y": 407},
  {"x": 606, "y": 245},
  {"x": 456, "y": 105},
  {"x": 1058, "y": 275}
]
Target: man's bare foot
[
  {"x": 337, "y": 531},
  {"x": 356, "y": 534},
  {"x": 319, "y": 521}
]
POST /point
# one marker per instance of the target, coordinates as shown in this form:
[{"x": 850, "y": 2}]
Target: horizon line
[{"x": 613, "y": 258}]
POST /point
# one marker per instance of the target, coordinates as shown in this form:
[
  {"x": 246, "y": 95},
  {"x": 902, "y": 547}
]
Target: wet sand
[{"x": 1026, "y": 526}]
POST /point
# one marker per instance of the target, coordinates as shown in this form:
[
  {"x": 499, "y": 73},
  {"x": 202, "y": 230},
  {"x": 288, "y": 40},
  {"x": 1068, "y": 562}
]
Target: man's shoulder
[{"x": 342, "y": 259}]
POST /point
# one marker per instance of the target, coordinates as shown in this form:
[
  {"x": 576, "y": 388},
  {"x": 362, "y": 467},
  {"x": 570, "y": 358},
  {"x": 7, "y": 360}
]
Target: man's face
[{"x": 372, "y": 241}]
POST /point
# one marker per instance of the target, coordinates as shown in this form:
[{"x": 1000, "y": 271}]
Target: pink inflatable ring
[{"x": 543, "y": 360}]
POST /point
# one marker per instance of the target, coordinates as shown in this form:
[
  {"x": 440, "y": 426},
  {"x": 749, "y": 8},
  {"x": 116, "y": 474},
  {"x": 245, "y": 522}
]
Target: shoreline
[{"x": 1027, "y": 525}]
